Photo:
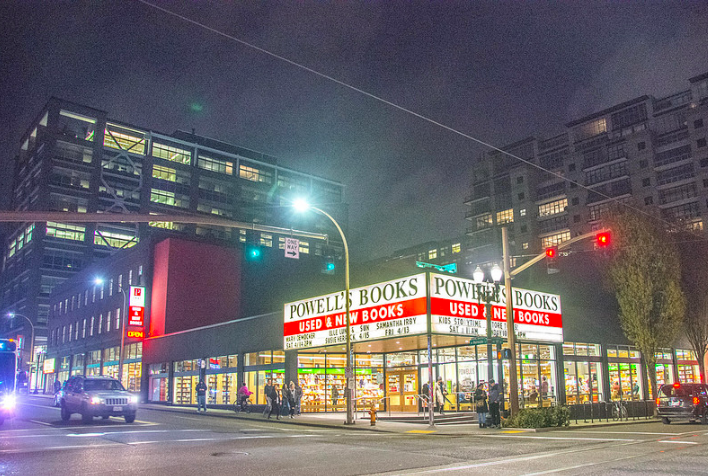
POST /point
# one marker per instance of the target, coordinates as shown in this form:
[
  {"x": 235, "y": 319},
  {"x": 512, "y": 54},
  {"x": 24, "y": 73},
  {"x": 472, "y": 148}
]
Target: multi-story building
[
  {"x": 648, "y": 152},
  {"x": 75, "y": 158}
]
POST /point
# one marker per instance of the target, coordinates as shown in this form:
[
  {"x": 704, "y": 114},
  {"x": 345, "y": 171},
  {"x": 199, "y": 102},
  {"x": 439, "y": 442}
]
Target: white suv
[{"x": 97, "y": 396}]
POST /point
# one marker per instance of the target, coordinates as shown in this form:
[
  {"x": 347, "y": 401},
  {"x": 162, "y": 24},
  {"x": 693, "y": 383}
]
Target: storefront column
[
  {"x": 240, "y": 369},
  {"x": 605, "y": 374},
  {"x": 291, "y": 367},
  {"x": 674, "y": 364},
  {"x": 560, "y": 374},
  {"x": 171, "y": 383}
]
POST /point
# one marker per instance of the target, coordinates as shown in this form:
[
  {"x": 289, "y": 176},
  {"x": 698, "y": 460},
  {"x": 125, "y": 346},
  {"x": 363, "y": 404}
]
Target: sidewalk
[{"x": 336, "y": 421}]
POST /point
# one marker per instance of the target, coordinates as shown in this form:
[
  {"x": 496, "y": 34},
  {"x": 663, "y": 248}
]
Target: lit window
[
  {"x": 432, "y": 254},
  {"x": 555, "y": 240},
  {"x": 124, "y": 139},
  {"x": 505, "y": 216},
  {"x": 255, "y": 175},
  {"x": 456, "y": 248},
  {"x": 522, "y": 212},
  {"x": 484, "y": 221},
  {"x": 66, "y": 232},
  {"x": 552, "y": 208},
  {"x": 215, "y": 165},
  {"x": 173, "y": 154}
]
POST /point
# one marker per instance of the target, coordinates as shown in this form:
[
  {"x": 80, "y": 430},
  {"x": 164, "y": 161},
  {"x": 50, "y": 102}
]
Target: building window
[
  {"x": 432, "y": 254},
  {"x": 522, "y": 212},
  {"x": 522, "y": 196},
  {"x": 648, "y": 200},
  {"x": 553, "y": 208},
  {"x": 120, "y": 138},
  {"x": 643, "y": 164},
  {"x": 555, "y": 240},
  {"x": 646, "y": 182},
  {"x": 641, "y": 145},
  {"x": 456, "y": 247},
  {"x": 523, "y": 228},
  {"x": 700, "y": 143},
  {"x": 525, "y": 245},
  {"x": 76, "y": 126},
  {"x": 484, "y": 221},
  {"x": 255, "y": 175},
  {"x": 169, "y": 198},
  {"x": 520, "y": 179},
  {"x": 571, "y": 167},
  {"x": 506, "y": 216},
  {"x": 698, "y": 123},
  {"x": 591, "y": 129},
  {"x": 114, "y": 239},
  {"x": 65, "y": 231},
  {"x": 215, "y": 165},
  {"x": 575, "y": 201},
  {"x": 576, "y": 218},
  {"x": 173, "y": 154}
]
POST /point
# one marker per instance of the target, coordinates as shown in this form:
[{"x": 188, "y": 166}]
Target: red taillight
[
  {"x": 657, "y": 401},
  {"x": 696, "y": 400},
  {"x": 677, "y": 385}
]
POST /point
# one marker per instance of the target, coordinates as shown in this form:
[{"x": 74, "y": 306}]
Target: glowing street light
[{"x": 301, "y": 205}]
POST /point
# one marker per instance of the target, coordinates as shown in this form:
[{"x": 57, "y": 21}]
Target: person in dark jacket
[
  {"x": 272, "y": 393},
  {"x": 291, "y": 399},
  {"x": 284, "y": 400},
  {"x": 494, "y": 401},
  {"x": 201, "y": 390},
  {"x": 480, "y": 405}
]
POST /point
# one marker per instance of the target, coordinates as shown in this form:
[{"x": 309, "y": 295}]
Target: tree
[
  {"x": 694, "y": 282},
  {"x": 644, "y": 272}
]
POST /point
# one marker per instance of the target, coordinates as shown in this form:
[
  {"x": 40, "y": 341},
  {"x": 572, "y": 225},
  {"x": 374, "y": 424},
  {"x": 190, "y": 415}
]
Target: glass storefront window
[
  {"x": 311, "y": 360},
  {"x": 582, "y": 382},
  {"x": 466, "y": 353},
  {"x": 278, "y": 357},
  {"x": 568, "y": 348},
  {"x": 405, "y": 359},
  {"x": 625, "y": 381}
]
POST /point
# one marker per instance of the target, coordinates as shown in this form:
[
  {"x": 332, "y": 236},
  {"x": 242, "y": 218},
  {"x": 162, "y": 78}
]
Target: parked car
[
  {"x": 683, "y": 401},
  {"x": 97, "y": 396}
]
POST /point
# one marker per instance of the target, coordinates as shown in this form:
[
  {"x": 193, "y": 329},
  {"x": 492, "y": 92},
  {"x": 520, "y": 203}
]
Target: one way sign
[{"x": 292, "y": 248}]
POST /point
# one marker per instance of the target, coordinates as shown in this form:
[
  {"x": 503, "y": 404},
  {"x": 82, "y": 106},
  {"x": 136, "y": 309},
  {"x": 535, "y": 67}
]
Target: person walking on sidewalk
[
  {"x": 440, "y": 395},
  {"x": 298, "y": 397},
  {"x": 273, "y": 397},
  {"x": 291, "y": 399},
  {"x": 267, "y": 391},
  {"x": 494, "y": 401},
  {"x": 480, "y": 404},
  {"x": 201, "y": 390}
]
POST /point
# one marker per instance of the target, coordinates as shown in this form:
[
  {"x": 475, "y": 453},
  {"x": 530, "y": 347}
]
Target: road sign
[
  {"x": 483, "y": 340},
  {"x": 292, "y": 248}
]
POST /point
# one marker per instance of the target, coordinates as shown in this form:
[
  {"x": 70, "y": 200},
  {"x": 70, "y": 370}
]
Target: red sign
[{"x": 136, "y": 313}]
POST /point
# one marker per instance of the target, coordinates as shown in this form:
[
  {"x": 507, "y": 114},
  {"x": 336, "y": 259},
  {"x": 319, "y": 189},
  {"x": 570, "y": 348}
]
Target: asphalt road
[{"x": 171, "y": 443}]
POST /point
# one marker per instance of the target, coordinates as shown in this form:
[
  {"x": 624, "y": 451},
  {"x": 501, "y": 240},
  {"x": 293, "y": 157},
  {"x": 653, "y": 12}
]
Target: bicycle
[
  {"x": 243, "y": 406},
  {"x": 619, "y": 410}
]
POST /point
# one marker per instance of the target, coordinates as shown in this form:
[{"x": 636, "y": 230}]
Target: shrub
[{"x": 540, "y": 418}]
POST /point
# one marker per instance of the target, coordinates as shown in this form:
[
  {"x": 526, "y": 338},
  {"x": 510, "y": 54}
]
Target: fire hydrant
[{"x": 372, "y": 412}]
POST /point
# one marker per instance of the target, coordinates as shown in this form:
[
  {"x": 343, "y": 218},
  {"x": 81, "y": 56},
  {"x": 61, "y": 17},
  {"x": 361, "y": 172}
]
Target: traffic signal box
[
  {"x": 252, "y": 252},
  {"x": 551, "y": 259},
  {"x": 328, "y": 266}
]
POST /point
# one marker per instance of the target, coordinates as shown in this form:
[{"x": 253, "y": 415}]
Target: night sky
[{"x": 498, "y": 71}]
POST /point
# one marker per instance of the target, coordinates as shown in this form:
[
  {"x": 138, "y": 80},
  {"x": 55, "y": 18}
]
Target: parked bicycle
[{"x": 619, "y": 410}]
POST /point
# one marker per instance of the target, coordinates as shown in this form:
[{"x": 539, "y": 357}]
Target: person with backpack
[
  {"x": 201, "y": 390},
  {"x": 272, "y": 393},
  {"x": 494, "y": 402}
]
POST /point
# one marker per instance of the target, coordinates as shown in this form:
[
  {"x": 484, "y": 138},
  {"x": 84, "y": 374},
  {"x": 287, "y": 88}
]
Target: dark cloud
[{"x": 499, "y": 71}]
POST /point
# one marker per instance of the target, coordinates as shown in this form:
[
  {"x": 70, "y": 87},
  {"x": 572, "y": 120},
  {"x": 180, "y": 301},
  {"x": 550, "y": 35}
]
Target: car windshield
[
  {"x": 683, "y": 390},
  {"x": 102, "y": 385}
]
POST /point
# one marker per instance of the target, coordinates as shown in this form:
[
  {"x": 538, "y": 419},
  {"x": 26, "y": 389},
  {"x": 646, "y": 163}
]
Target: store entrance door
[{"x": 402, "y": 390}]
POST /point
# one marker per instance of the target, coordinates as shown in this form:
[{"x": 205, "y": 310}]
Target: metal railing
[{"x": 612, "y": 411}]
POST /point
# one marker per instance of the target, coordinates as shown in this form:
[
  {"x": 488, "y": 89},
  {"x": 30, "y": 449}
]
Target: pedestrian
[
  {"x": 335, "y": 396},
  {"x": 268, "y": 391},
  {"x": 272, "y": 393},
  {"x": 494, "y": 401},
  {"x": 425, "y": 393},
  {"x": 57, "y": 386},
  {"x": 284, "y": 400},
  {"x": 440, "y": 395},
  {"x": 480, "y": 404},
  {"x": 298, "y": 397},
  {"x": 201, "y": 390},
  {"x": 291, "y": 399},
  {"x": 544, "y": 389}
]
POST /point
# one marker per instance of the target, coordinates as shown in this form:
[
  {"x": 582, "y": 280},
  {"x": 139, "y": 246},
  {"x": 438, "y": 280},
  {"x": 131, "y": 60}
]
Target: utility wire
[{"x": 400, "y": 108}]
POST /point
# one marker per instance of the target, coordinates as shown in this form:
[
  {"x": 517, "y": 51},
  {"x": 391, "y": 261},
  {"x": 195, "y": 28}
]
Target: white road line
[
  {"x": 558, "y": 438},
  {"x": 625, "y": 432},
  {"x": 568, "y": 468},
  {"x": 57, "y": 448},
  {"x": 678, "y": 442}
]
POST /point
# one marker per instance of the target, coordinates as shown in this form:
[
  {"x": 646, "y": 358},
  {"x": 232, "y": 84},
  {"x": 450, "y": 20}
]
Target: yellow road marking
[{"x": 421, "y": 431}]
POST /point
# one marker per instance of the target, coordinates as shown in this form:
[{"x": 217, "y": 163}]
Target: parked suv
[
  {"x": 97, "y": 396},
  {"x": 683, "y": 401}
]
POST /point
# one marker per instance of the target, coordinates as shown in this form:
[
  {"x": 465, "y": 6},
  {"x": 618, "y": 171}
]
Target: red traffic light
[
  {"x": 551, "y": 252},
  {"x": 603, "y": 239}
]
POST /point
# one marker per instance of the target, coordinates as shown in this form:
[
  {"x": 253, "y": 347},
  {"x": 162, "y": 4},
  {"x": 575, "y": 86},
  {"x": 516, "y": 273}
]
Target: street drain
[{"x": 228, "y": 453}]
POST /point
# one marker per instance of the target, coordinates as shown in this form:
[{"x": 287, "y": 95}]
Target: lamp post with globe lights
[{"x": 484, "y": 293}]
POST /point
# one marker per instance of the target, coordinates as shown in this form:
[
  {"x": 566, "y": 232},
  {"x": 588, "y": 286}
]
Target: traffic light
[
  {"x": 252, "y": 252},
  {"x": 551, "y": 254},
  {"x": 328, "y": 265},
  {"x": 602, "y": 240}
]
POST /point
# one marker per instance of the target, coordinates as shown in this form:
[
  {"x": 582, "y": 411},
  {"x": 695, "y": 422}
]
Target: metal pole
[
  {"x": 511, "y": 336},
  {"x": 122, "y": 334},
  {"x": 490, "y": 364},
  {"x": 348, "y": 371},
  {"x": 431, "y": 383}
]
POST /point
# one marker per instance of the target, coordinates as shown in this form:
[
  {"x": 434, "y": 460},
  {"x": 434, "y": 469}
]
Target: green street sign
[{"x": 483, "y": 340}]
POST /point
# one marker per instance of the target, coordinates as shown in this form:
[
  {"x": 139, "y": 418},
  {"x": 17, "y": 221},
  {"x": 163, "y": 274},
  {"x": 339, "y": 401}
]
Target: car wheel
[
  {"x": 129, "y": 418},
  {"x": 666, "y": 421},
  {"x": 86, "y": 417},
  {"x": 65, "y": 413}
]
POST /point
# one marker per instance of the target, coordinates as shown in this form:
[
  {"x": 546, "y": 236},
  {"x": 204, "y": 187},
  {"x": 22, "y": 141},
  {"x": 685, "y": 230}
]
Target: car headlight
[
  {"x": 8, "y": 402},
  {"x": 96, "y": 400},
  {"x": 134, "y": 399}
]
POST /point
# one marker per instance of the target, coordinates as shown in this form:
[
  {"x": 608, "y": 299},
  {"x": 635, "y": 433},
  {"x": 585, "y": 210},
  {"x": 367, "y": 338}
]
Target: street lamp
[
  {"x": 484, "y": 293},
  {"x": 302, "y": 205},
  {"x": 12, "y": 315}
]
